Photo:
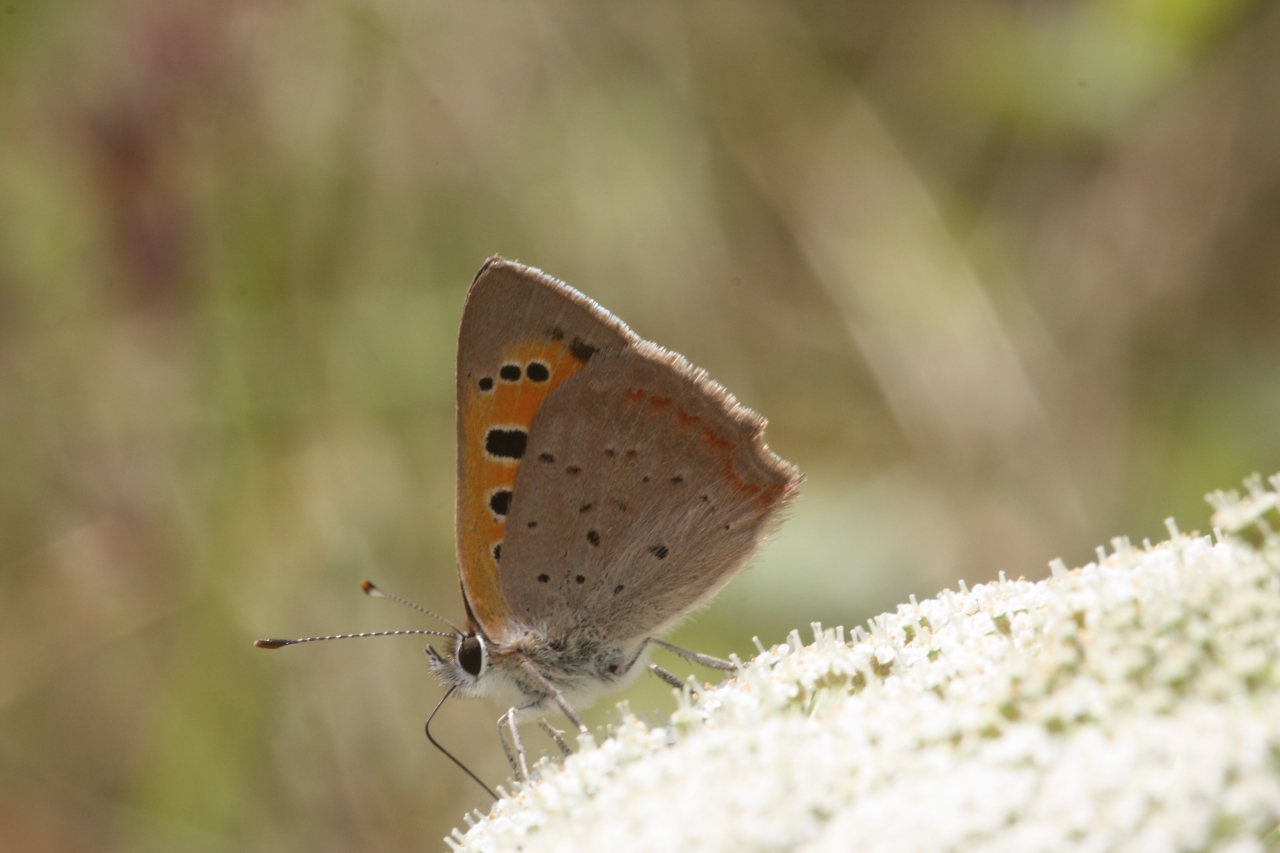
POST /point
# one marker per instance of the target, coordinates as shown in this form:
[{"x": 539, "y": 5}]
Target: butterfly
[{"x": 605, "y": 489}]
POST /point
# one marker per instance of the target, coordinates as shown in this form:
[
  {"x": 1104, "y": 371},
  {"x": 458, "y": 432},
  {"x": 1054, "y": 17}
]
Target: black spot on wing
[
  {"x": 509, "y": 373},
  {"x": 485, "y": 383},
  {"x": 546, "y": 457},
  {"x": 537, "y": 372},
  {"x": 543, "y": 578},
  {"x": 659, "y": 551},
  {"x": 581, "y": 350},
  {"x": 594, "y": 537},
  {"x": 500, "y": 502},
  {"x": 506, "y": 443},
  {"x": 580, "y": 579}
]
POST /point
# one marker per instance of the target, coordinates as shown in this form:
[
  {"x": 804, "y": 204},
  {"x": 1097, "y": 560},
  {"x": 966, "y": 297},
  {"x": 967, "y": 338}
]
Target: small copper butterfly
[{"x": 605, "y": 489}]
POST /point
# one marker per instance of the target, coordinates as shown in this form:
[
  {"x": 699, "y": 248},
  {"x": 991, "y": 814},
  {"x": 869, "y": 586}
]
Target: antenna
[
  {"x": 275, "y": 644},
  {"x": 373, "y": 592}
]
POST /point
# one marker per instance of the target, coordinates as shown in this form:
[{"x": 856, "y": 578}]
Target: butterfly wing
[
  {"x": 523, "y": 335},
  {"x": 645, "y": 489}
]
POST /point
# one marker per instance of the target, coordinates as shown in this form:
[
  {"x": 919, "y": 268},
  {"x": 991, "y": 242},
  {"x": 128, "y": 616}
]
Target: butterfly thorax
[{"x": 582, "y": 665}]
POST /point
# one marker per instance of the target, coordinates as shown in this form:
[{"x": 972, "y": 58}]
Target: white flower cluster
[{"x": 1131, "y": 704}]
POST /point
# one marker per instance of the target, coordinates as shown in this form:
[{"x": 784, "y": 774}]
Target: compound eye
[{"x": 470, "y": 657}]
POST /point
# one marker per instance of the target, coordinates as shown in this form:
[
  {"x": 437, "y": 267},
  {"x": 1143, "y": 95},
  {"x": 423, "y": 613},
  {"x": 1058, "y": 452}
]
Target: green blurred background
[{"x": 1004, "y": 276}]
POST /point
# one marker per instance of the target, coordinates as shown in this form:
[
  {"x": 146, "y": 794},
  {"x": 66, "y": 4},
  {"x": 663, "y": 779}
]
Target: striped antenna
[
  {"x": 373, "y": 592},
  {"x": 276, "y": 644}
]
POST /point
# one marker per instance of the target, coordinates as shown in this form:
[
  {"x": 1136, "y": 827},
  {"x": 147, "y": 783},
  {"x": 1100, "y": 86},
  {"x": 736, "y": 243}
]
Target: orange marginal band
[{"x": 505, "y": 411}]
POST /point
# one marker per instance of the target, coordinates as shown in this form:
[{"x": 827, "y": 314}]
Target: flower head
[{"x": 1131, "y": 703}]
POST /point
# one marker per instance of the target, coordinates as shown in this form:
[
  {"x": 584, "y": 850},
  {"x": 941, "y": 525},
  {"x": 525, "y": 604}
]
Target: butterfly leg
[
  {"x": 520, "y": 768},
  {"x": 554, "y": 734},
  {"x": 565, "y": 707},
  {"x": 696, "y": 657},
  {"x": 668, "y": 677}
]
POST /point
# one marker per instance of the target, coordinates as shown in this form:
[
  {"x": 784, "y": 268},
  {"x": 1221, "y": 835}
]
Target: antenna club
[
  {"x": 272, "y": 644},
  {"x": 373, "y": 592}
]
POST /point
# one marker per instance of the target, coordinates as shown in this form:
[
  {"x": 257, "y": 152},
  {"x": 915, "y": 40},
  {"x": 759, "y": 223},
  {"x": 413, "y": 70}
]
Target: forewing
[
  {"x": 523, "y": 335},
  {"x": 645, "y": 489}
]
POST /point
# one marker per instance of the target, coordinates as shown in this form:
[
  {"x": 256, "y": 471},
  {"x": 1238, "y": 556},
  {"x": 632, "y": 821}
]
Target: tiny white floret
[{"x": 1131, "y": 704}]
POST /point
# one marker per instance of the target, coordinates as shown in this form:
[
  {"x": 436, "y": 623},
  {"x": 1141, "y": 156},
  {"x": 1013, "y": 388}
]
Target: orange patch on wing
[
  {"x": 739, "y": 483},
  {"x": 716, "y": 441},
  {"x": 508, "y": 406},
  {"x": 761, "y": 494},
  {"x": 764, "y": 495},
  {"x": 772, "y": 495}
]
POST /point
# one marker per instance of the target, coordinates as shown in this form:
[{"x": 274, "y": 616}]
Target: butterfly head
[{"x": 466, "y": 663}]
